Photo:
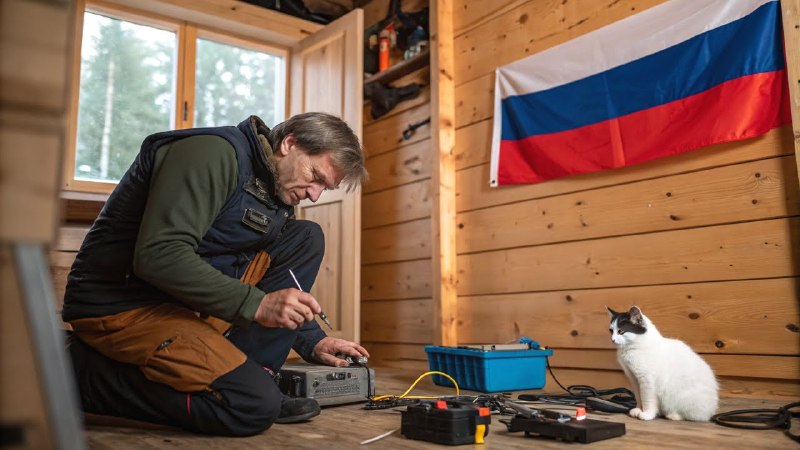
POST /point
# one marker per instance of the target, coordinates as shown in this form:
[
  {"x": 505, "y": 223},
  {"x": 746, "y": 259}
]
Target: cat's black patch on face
[{"x": 626, "y": 325}]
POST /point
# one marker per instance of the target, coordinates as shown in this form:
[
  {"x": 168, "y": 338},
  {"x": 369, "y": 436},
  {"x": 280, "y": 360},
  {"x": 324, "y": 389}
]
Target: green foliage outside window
[
  {"x": 232, "y": 83},
  {"x": 127, "y": 93}
]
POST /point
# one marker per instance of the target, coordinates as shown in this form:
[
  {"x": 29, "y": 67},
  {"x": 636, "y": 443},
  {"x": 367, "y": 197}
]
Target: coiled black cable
[{"x": 760, "y": 419}]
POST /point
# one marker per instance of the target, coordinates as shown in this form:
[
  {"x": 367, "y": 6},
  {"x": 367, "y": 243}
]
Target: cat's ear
[
  {"x": 636, "y": 315},
  {"x": 611, "y": 312}
]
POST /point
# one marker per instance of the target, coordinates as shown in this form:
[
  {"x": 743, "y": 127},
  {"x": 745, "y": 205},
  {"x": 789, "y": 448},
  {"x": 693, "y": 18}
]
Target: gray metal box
[{"x": 328, "y": 385}]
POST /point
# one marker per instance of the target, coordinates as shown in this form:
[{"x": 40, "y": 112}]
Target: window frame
[{"x": 187, "y": 34}]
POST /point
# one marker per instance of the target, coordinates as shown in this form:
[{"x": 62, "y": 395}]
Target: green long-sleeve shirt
[{"x": 192, "y": 178}]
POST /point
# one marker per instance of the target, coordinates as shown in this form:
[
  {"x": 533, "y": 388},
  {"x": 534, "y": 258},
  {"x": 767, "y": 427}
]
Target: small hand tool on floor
[{"x": 321, "y": 314}]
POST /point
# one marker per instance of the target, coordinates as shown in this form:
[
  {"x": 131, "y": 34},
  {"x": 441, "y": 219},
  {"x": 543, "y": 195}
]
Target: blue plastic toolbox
[{"x": 489, "y": 371}]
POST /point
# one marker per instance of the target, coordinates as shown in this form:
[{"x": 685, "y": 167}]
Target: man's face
[{"x": 302, "y": 176}]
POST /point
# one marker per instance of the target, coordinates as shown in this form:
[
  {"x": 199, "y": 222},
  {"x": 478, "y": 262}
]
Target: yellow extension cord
[
  {"x": 480, "y": 430},
  {"x": 405, "y": 394}
]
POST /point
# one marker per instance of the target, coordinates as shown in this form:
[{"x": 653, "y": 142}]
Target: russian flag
[{"x": 679, "y": 76}]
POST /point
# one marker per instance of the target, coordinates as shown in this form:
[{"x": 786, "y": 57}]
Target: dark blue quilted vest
[{"x": 102, "y": 281}]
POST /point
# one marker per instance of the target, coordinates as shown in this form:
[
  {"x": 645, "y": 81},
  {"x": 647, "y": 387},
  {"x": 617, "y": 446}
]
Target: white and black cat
[{"x": 670, "y": 379}]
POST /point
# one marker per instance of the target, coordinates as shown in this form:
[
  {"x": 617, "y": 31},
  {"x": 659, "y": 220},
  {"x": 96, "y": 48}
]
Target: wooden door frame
[
  {"x": 443, "y": 133},
  {"x": 353, "y": 87},
  {"x": 790, "y": 12}
]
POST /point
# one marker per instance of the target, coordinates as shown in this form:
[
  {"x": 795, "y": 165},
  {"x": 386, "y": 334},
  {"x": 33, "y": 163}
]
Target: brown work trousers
[{"x": 170, "y": 343}]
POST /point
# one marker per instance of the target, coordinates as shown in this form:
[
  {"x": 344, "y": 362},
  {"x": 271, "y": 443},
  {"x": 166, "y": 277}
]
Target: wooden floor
[{"x": 344, "y": 427}]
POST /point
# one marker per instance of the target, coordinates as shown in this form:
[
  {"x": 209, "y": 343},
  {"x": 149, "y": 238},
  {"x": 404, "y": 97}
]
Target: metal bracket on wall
[{"x": 412, "y": 128}]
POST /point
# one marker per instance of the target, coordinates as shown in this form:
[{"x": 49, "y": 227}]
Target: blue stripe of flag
[{"x": 747, "y": 46}]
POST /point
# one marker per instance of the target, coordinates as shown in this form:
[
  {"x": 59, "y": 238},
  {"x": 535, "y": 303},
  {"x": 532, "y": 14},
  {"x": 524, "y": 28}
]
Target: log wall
[
  {"x": 706, "y": 242},
  {"x": 34, "y": 80},
  {"x": 397, "y": 289}
]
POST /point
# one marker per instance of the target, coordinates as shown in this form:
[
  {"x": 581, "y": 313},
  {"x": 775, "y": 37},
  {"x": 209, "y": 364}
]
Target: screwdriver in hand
[{"x": 321, "y": 313}]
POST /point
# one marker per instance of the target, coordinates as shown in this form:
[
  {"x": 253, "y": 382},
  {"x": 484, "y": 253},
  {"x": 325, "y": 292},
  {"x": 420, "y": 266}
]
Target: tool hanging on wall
[
  {"x": 412, "y": 128},
  {"x": 383, "y": 98}
]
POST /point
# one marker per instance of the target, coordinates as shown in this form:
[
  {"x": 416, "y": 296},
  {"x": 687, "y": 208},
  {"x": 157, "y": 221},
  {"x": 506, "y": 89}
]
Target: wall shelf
[{"x": 400, "y": 69}]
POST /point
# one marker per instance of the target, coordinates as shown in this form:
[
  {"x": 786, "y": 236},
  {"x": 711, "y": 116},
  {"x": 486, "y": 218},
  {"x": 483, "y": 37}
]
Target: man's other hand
[
  {"x": 328, "y": 347},
  {"x": 287, "y": 308}
]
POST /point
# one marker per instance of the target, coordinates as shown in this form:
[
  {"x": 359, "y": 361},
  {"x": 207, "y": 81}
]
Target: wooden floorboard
[{"x": 344, "y": 427}]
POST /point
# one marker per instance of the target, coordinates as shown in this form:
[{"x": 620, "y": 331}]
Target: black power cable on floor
[
  {"x": 760, "y": 419},
  {"x": 750, "y": 419},
  {"x": 583, "y": 395}
]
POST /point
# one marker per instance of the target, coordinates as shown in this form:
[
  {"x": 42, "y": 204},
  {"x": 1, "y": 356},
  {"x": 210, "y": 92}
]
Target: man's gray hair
[{"x": 317, "y": 132}]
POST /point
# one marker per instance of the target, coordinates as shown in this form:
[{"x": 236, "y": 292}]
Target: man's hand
[
  {"x": 328, "y": 347},
  {"x": 287, "y": 308}
]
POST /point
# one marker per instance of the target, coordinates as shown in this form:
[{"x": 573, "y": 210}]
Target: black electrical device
[
  {"x": 565, "y": 429},
  {"x": 446, "y": 422}
]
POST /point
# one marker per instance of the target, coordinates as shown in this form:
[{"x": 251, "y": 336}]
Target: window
[
  {"x": 127, "y": 91},
  {"x": 141, "y": 73},
  {"x": 232, "y": 82}
]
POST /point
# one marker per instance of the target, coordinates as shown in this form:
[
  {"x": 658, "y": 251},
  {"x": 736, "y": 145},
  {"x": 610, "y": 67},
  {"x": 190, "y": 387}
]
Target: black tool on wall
[
  {"x": 383, "y": 98},
  {"x": 412, "y": 128}
]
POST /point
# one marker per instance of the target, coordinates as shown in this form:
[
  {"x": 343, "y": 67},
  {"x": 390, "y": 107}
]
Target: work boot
[{"x": 297, "y": 409}]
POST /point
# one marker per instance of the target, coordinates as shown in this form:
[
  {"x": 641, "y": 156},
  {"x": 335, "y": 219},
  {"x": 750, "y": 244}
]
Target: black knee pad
[{"x": 250, "y": 399}]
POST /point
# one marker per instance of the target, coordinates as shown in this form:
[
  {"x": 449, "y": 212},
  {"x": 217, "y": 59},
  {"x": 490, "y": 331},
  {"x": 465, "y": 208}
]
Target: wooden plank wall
[
  {"x": 34, "y": 37},
  {"x": 78, "y": 210},
  {"x": 62, "y": 255},
  {"x": 706, "y": 243},
  {"x": 396, "y": 227},
  {"x": 396, "y": 272}
]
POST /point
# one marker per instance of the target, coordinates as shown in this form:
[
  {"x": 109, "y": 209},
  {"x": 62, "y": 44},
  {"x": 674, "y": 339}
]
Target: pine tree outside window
[
  {"x": 127, "y": 91},
  {"x": 233, "y": 80}
]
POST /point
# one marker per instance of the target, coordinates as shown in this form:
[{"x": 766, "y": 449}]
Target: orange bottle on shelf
[{"x": 383, "y": 53}]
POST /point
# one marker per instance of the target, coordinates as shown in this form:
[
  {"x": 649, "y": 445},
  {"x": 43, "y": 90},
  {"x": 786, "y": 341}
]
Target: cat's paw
[
  {"x": 674, "y": 416},
  {"x": 642, "y": 415}
]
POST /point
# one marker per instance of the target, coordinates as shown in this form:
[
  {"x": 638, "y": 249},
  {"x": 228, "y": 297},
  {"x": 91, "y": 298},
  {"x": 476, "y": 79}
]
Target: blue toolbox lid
[{"x": 474, "y": 352}]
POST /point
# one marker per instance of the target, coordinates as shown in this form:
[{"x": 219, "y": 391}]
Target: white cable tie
[{"x": 379, "y": 437}]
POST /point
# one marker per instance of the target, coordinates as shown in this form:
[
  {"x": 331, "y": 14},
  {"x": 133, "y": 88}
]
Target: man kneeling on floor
[{"x": 181, "y": 298}]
